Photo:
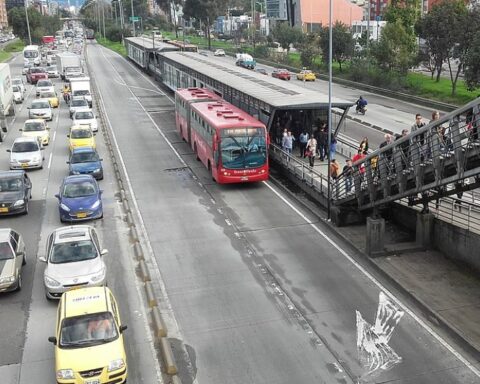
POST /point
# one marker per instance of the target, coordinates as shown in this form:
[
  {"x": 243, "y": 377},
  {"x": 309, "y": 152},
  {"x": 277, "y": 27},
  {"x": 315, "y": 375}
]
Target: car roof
[
  {"x": 82, "y": 301},
  {"x": 22, "y": 139},
  {"x": 80, "y": 126},
  {"x": 5, "y": 234},
  {"x": 71, "y": 233},
  {"x": 83, "y": 149},
  {"x": 38, "y": 100},
  {"x": 35, "y": 121},
  {"x": 77, "y": 178},
  {"x": 16, "y": 173}
]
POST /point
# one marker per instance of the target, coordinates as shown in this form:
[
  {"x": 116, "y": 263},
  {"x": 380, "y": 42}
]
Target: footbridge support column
[
  {"x": 424, "y": 231},
  {"x": 375, "y": 244}
]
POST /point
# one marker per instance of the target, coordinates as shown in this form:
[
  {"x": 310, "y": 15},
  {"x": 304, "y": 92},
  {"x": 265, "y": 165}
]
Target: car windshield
[
  {"x": 73, "y": 251},
  {"x": 30, "y": 54},
  {"x": 16, "y": 88},
  {"x": 88, "y": 330},
  {"x": 79, "y": 103},
  {"x": 33, "y": 126},
  {"x": 40, "y": 105},
  {"x": 6, "y": 252},
  {"x": 80, "y": 189},
  {"x": 10, "y": 185},
  {"x": 37, "y": 70},
  {"x": 243, "y": 148},
  {"x": 51, "y": 68},
  {"x": 25, "y": 146},
  {"x": 82, "y": 92},
  {"x": 48, "y": 94},
  {"x": 81, "y": 134},
  {"x": 84, "y": 157},
  {"x": 83, "y": 115},
  {"x": 44, "y": 83},
  {"x": 17, "y": 81}
]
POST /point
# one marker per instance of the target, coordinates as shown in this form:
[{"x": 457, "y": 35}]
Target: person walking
[
  {"x": 348, "y": 175},
  {"x": 333, "y": 146},
  {"x": 311, "y": 150},
  {"x": 287, "y": 143},
  {"x": 334, "y": 169},
  {"x": 420, "y": 139},
  {"x": 303, "y": 139},
  {"x": 323, "y": 142},
  {"x": 364, "y": 145}
]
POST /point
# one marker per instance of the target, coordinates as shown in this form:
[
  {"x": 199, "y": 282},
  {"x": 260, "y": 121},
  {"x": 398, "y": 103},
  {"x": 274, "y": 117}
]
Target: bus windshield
[
  {"x": 243, "y": 148},
  {"x": 30, "y": 54}
]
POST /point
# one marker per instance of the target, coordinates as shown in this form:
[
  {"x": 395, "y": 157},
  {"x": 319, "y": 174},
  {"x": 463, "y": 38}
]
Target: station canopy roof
[{"x": 277, "y": 93}]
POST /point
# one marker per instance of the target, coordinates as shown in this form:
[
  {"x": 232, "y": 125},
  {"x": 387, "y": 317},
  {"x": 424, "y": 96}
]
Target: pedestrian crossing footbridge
[{"x": 440, "y": 159}]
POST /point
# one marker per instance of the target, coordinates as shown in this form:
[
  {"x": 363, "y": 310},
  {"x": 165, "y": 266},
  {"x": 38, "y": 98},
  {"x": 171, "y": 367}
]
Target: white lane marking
[
  {"x": 54, "y": 136},
  {"x": 424, "y": 325},
  {"x": 134, "y": 200},
  {"x": 44, "y": 192},
  {"x": 50, "y": 160}
]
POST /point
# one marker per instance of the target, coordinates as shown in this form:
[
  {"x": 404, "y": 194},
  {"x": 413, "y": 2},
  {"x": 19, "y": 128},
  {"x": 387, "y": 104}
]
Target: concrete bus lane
[
  {"x": 27, "y": 318},
  {"x": 245, "y": 267}
]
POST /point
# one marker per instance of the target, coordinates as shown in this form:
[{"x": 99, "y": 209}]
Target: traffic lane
[
  {"x": 15, "y": 306},
  {"x": 203, "y": 267},
  {"x": 38, "y": 361}
]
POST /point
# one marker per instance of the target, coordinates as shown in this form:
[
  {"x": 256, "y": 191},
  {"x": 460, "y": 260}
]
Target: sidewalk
[{"x": 445, "y": 291}]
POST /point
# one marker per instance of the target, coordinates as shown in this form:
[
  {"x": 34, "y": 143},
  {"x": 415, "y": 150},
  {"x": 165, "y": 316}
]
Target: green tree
[
  {"x": 287, "y": 35},
  {"x": 395, "y": 51},
  {"x": 40, "y": 25},
  {"x": 309, "y": 50},
  {"x": 472, "y": 65},
  {"x": 342, "y": 48}
]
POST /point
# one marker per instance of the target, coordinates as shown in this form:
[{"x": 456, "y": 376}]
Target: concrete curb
[
  {"x": 176, "y": 380},
  {"x": 134, "y": 234},
  {"x": 138, "y": 251},
  {"x": 158, "y": 323},
  {"x": 167, "y": 353},
  {"x": 419, "y": 303},
  {"x": 144, "y": 271},
  {"x": 130, "y": 222},
  {"x": 151, "y": 299}
]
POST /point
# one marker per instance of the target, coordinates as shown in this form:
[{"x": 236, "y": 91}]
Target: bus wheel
[{"x": 196, "y": 151}]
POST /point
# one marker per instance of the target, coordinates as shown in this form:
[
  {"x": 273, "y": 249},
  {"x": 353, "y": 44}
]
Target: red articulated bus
[{"x": 232, "y": 144}]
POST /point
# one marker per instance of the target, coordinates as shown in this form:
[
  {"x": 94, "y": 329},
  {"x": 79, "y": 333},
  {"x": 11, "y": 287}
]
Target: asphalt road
[
  {"x": 27, "y": 319},
  {"x": 254, "y": 287}
]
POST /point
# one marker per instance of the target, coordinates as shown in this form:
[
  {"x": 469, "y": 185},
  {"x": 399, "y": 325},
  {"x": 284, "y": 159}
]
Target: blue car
[
  {"x": 79, "y": 199},
  {"x": 85, "y": 161}
]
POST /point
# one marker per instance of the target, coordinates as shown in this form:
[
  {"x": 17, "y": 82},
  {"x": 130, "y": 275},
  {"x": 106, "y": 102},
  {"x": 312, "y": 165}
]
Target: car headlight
[
  {"x": 51, "y": 282},
  {"x": 116, "y": 364},
  {"x": 96, "y": 170},
  {"x": 8, "y": 279},
  {"x": 98, "y": 276},
  {"x": 75, "y": 173},
  {"x": 64, "y": 207},
  {"x": 65, "y": 374},
  {"x": 96, "y": 204},
  {"x": 36, "y": 159},
  {"x": 19, "y": 203}
]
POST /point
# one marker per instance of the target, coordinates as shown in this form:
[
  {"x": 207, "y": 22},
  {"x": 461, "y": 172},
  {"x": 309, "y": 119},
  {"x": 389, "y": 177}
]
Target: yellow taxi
[
  {"x": 36, "y": 128},
  {"x": 306, "y": 75},
  {"x": 88, "y": 339},
  {"x": 81, "y": 136},
  {"x": 52, "y": 98}
]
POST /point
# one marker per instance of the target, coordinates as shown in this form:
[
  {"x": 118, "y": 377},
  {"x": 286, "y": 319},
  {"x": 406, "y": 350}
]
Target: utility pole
[
  {"x": 133, "y": 20},
  {"x": 28, "y": 24},
  {"x": 368, "y": 23},
  {"x": 103, "y": 17}
]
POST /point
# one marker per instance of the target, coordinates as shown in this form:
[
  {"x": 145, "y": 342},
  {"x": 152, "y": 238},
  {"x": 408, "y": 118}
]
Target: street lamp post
[
  {"x": 133, "y": 19},
  {"x": 103, "y": 19},
  {"x": 330, "y": 44},
  {"x": 28, "y": 24}
]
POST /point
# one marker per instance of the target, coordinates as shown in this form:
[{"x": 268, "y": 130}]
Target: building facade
[
  {"x": 3, "y": 15},
  {"x": 314, "y": 13}
]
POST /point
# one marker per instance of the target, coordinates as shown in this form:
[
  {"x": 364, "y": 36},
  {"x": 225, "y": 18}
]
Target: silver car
[
  {"x": 12, "y": 259},
  {"x": 44, "y": 86},
  {"x": 78, "y": 104},
  {"x": 26, "y": 152},
  {"x": 52, "y": 71},
  {"x": 85, "y": 118},
  {"x": 18, "y": 81},
  {"x": 74, "y": 259},
  {"x": 40, "y": 109}
]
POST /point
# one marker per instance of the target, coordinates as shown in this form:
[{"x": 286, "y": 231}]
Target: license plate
[
  {"x": 92, "y": 382},
  {"x": 81, "y": 215},
  {"x": 3, "y": 209},
  {"x": 244, "y": 178},
  {"x": 24, "y": 165}
]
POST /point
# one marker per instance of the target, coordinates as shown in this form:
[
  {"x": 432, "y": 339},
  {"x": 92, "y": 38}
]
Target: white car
[
  {"x": 74, "y": 258},
  {"x": 19, "y": 82},
  {"x": 219, "y": 52},
  {"x": 85, "y": 118},
  {"x": 52, "y": 71},
  {"x": 40, "y": 109},
  {"x": 26, "y": 152},
  {"x": 78, "y": 104},
  {"x": 17, "y": 94},
  {"x": 44, "y": 85},
  {"x": 36, "y": 128}
]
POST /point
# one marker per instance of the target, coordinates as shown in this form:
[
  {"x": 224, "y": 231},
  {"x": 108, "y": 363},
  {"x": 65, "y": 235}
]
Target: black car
[{"x": 15, "y": 192}]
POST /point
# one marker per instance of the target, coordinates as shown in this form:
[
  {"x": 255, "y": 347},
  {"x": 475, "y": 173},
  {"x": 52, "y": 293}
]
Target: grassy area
[
  {"x": 14, "y": 46},
  {"x": 113, "y": 45},
  {"x": 4, "y": 56}
]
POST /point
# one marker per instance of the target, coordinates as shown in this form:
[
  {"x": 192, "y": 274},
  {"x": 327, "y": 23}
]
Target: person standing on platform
[{"x": 311, "y": 150}]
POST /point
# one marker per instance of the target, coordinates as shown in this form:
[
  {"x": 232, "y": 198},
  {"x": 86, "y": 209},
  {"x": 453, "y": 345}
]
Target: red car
[
  {"x": 36, "y": 73},
  {"x": 282, "y": 74}
]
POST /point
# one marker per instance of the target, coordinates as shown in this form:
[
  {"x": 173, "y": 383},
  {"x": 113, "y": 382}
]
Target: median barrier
[
  {"x": 134, "y": 234},
  {"x": 138, "y": 251},
  {"x": 130, "y": 219},
  {"x": 158, "y": 324},
  {"x": 144, "y": 271},
  {"x": 168, "y": 359},
  {"x": 151, "y": 299},
  {"x": 176, "y": 380},
  {"x": 126, "y": 206}
]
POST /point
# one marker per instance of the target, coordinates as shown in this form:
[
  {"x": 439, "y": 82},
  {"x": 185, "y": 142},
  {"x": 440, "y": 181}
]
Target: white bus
[{"x": 31, "y": 54}]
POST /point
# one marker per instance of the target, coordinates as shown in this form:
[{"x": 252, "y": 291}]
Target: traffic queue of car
[{"x": 88, "y": 336}]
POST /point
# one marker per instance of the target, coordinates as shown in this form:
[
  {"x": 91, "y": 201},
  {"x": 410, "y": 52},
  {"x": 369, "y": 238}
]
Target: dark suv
[
  {"x": 15, "y": 192},
  {"x": 36, "y": 73}
]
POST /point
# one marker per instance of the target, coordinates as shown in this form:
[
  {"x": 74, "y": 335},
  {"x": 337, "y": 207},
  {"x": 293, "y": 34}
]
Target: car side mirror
[
  {"x": 9, "y": 150},
  {"x": 123, "y": 328},
  {"x": 21, "y": 129},
  {"x": 43, "y": 259},
  {"x": 42, "y": 148},
  {"x": 48, "y": 128},
  {"x": 101, "y": 191},
  {"x": 57, "y": 196},
  {"x": 68, "y": 162},
  {"x": 100, "y": 159},
  {"x": 53, "y": 340},
  {"x": 68, "y": 135},
  {"x": 104, "y": 252}
]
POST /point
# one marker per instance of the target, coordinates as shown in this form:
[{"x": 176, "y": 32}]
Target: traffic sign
[{"x": 134, "y": 18}]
